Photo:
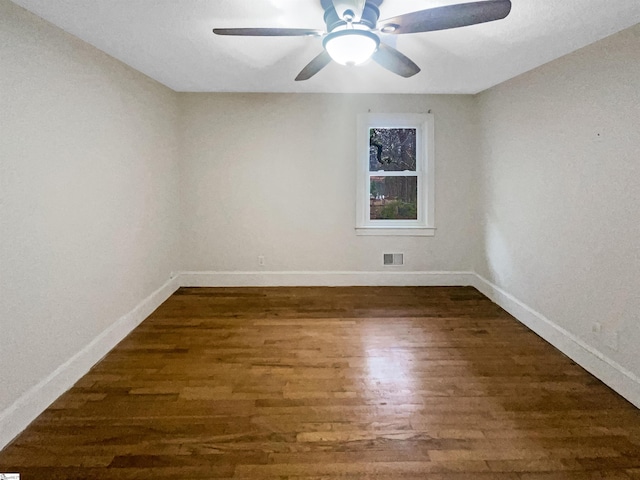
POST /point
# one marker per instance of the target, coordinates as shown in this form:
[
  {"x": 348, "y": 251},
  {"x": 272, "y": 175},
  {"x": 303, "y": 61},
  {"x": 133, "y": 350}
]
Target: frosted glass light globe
[{"x": 351, "y": 47}]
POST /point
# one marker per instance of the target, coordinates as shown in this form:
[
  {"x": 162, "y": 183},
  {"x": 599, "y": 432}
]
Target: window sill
[{"x": 397, "y": 231}]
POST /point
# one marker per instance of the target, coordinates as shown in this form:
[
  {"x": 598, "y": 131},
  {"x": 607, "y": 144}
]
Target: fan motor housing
[{"x": 370, "y": 16}]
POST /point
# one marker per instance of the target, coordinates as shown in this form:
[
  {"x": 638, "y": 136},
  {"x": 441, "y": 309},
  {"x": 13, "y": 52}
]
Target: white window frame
[{"x": 425, "y": 154}]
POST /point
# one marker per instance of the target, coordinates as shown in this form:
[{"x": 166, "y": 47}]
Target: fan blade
[
  {"x": 314, "y": 66},
  {"x": 393, "y": 60},
  {"x": 356, "y": 6},
  {"x": 450, "y": 16},
  {"x": 268, "y": 32}
]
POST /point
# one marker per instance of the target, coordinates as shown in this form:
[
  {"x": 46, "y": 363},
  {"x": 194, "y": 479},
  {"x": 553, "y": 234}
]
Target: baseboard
[
  {"x": 324, "y": 279},
  {"x": 23, "y": 411},
  {"x": 620, "y": 379}
]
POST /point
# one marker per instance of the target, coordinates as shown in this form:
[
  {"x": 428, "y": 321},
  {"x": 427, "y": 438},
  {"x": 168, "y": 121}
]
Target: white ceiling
[{"x": 171, "y": 41}]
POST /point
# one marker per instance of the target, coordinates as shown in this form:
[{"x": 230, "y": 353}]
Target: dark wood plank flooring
[{"x": 325, "y": 383}]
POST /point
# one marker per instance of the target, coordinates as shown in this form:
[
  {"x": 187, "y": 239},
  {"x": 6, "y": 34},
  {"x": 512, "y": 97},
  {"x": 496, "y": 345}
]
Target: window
[{"x": 395, "y": 193}]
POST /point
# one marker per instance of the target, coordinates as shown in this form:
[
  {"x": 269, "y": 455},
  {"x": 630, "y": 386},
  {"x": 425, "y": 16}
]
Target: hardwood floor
[{"x": 322, "y": 383}]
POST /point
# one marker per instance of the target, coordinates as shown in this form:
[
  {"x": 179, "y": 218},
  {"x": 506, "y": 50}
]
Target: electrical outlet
[{"x": 261, "y": 260}]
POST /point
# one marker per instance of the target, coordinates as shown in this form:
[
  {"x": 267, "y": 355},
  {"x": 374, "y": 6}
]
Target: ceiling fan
[{"x": 353, "y": 31}]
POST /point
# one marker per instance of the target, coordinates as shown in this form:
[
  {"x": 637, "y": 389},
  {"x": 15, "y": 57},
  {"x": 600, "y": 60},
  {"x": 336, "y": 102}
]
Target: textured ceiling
[{"x": 171, "y": 41}]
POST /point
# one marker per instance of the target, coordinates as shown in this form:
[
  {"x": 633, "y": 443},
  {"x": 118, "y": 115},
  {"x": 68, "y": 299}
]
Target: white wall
[
  {"x": 88, "y": 199},
  {"x": 274, "y": 175},
  {"x": 561, "y": 193}
]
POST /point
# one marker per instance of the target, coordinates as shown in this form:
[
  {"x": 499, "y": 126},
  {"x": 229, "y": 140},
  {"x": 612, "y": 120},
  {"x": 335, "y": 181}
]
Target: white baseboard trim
[
  {"x": 620, "y": 379},
  {"x": 324, "y": 279},
  {"x": 23, "y": 411}
]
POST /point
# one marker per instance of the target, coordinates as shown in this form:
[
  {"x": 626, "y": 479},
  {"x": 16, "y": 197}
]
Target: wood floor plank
[{"x": 325, "y": 383}]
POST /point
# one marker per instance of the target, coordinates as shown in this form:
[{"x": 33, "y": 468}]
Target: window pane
[
  {"x": 392, "y": 149},
  {"x": 393, "y": 198}
]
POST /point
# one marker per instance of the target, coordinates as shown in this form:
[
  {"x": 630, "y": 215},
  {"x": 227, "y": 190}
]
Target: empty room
[{"x": 319, "y": 239}]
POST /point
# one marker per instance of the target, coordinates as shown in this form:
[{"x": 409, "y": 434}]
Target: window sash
[{"x": 403, "y": 173}]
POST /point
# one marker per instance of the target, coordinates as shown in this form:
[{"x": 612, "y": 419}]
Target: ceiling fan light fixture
[{"x": 352, "y": 46}]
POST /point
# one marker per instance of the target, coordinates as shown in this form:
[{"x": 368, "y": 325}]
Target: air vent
[{"x": 393, "y": 258}]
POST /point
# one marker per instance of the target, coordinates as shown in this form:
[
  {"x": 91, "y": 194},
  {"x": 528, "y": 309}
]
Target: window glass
[
  {"x": 393, "y": 198},
  {"x": 392, "y": 149}
]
